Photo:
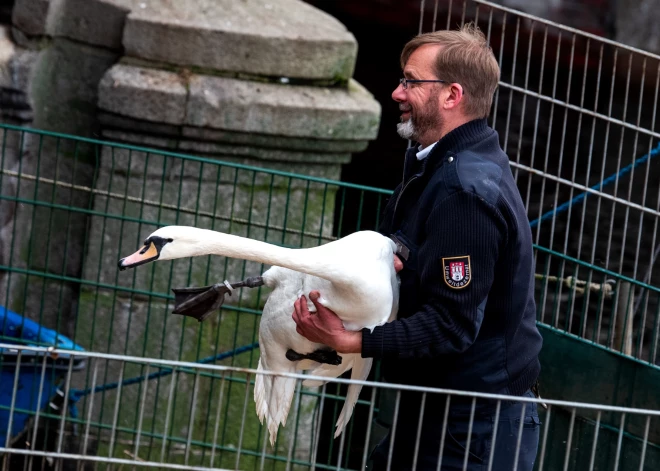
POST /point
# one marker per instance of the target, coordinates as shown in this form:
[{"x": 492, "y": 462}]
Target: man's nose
[{"x": 399, "y": 94}]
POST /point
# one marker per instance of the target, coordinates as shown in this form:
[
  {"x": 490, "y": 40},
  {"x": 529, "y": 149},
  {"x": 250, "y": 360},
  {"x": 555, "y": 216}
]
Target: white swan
[{"x": 355, "y": 276}]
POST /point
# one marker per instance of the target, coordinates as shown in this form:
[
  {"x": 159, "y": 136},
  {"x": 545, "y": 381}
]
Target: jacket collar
[
  {"x": 462, "y": 137},
  {"x": 453, "y": 142}
]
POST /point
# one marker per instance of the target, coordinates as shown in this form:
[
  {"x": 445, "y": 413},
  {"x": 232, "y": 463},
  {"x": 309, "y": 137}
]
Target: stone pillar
[
  {"x": 251, "y": 83},
  {"x": 262, "y": 84}
]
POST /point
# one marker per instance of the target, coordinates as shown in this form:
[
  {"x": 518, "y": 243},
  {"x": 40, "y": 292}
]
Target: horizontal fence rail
[{"x": 573, "y": 435}]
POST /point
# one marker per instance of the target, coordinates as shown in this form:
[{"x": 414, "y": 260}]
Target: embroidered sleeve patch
[{"x": 458, "y": 272}]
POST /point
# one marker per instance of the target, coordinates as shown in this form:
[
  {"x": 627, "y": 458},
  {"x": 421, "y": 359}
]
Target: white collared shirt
[{"x": 425, "y": 151}]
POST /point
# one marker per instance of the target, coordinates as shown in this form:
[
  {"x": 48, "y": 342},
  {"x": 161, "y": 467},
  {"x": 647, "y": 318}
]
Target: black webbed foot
[
  {"x": 200, "y": 302},
  {"x": 321, "y": 356}
]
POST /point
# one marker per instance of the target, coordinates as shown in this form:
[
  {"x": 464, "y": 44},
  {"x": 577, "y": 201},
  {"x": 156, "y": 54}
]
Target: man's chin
[{"x": 406, "y": 129}]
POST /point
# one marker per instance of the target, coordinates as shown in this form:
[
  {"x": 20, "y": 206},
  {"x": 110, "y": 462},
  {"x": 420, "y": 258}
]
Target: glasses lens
[{"x": 404, "y": 82}]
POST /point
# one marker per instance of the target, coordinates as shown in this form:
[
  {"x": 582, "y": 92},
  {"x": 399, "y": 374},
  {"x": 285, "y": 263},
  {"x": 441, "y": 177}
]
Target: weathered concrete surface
[
  {"x": 15, "y": 78},
  {"x": 94, "y": 22},
  {"x": 286, "y": 38},
  {"x": 149, "y": 94},
  {"x": 65, "y": 86},
  {"x": 112, "y": 122},
  {"x": 164, "y": 190},
  {"x": 244, "y": 154},
  {"x": 288, "y": 110},
  {"x": 241, "y": 105},
  {"x": 31, "y": 16}
]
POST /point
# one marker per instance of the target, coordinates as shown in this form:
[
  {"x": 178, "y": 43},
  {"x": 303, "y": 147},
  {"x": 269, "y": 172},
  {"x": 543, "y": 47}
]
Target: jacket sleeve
[{"x": 462, "y": 225}]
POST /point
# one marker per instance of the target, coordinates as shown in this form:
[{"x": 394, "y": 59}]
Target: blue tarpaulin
[{"x": 17, "y": 329}]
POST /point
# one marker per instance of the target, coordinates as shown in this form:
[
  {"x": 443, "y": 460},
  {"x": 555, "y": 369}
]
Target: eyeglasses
[{"x": 405, "y": 82}]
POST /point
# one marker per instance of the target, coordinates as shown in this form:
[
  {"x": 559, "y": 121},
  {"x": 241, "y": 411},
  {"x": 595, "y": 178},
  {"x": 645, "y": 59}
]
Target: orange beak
[{"x": 146, "y": 254}]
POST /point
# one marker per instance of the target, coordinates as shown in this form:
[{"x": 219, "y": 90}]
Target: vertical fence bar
[
  {"x": 419, "y": 431},
  {"x": 214, "y": 445},
  {"x": 519, "y": 439},
  {"x": 469, "y": 434},
  {"x": 513, "y": 82},
  {"x": 191, "y": 422},
  {"x": 168, "y": 414},
  {"x": 569, "y": 440},
  {"x": 496, "y": 422},
  {"x": 645, "y": 442},
  {"x": 592, "y": 460},
  {"x": 143, "y": 402},
  {"x": 393, "y": 430},
  {"x": 317, "y": 435},
  {"x": 115, "y": 417},
  {"x": 619, "y": 441},
  {"x": 12, "y": 406},
  {"x": 65, "y": 406},
  {"x": 240, "y": 436},
  {"x": 372, "y": 404},
  {"x": 444, "y": 432},
  {"x": 544, "y": 442},
  {"x": 90, "y": 408},
  {"x": 421, "y": 17}
]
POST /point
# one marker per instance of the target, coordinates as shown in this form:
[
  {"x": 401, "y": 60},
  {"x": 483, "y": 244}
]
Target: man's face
[{"x": 419, "y": 103}]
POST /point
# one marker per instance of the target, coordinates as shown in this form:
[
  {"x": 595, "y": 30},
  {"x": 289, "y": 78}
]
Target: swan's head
[{"x": 166, "y": 243}]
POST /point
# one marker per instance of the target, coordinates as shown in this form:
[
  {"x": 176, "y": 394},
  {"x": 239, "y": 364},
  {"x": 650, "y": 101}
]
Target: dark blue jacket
[{"x": 466, "y": 312}]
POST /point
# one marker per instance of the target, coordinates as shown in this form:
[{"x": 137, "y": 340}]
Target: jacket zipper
[{"x": 414, "y": 177}]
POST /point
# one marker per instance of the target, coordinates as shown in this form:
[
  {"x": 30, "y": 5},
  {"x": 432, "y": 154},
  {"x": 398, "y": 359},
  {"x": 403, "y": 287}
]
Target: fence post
[{"x": 623, "y": 318}]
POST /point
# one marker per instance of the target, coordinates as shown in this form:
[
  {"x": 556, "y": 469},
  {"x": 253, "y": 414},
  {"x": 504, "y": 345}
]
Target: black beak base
[{"x": 199, "y": 303}]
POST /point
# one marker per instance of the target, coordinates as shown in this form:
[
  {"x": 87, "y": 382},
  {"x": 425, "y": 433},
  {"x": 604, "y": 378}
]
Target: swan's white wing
[
  {"x": 277, "y": 333},
  {"x": 361, "y": 368},
  {"x": 330, "y": 371}
]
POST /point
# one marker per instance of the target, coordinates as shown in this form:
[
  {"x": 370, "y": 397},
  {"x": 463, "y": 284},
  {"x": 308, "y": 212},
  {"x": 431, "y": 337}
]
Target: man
[{"x": 466, "y": 311}]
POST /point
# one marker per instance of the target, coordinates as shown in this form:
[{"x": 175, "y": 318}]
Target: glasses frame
[{"x": 404, "y": 82}]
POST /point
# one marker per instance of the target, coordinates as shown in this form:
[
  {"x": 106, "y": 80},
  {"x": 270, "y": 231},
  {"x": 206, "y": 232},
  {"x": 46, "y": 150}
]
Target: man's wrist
[{"x": 351, "y": 342}]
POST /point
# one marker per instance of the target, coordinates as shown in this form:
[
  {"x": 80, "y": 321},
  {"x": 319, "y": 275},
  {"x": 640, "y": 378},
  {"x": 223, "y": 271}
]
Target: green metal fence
[{"x": 71, "y": 207}]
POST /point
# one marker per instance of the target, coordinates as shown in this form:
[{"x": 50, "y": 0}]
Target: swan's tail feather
[
  {"x": 262, "y": 383},
  {"x": 361, "y": 368},
  {"x": 273, "y": 395}
]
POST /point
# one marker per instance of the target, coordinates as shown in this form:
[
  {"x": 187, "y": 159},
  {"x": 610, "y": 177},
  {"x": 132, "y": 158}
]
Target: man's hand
[
  {"x": 398, "y": 264},
  {"x": 324, "y": 326}
]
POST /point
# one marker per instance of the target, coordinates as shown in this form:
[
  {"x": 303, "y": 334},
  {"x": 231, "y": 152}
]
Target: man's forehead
[
  {"x": 423, "y": 55},
  {"x": 422, "y": 58}
]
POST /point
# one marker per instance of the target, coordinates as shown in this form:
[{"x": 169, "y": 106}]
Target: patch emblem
[{"x": 458, "y": 272}]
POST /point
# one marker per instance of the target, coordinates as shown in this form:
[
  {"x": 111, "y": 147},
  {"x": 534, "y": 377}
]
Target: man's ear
[{"x": 454, "y": 96}]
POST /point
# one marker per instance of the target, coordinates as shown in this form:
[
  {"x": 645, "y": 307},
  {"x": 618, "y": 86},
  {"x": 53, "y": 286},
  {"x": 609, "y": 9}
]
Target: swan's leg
[
  {"x": 361, "y": 368},
  {"x": 200, "y": 302},
  {"x": 320, "y": 356}
]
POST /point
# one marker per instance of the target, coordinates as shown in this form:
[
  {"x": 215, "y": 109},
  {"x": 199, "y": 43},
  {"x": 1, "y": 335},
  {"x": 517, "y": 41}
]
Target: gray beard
[{"x": 406, "y": 129}]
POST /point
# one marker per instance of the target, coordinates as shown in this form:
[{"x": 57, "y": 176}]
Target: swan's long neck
[{"x": 206, "y": 242}]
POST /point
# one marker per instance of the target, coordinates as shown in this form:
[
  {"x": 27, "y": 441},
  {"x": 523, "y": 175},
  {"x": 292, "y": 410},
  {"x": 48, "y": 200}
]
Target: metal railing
[{"x": 573, "y": 435}]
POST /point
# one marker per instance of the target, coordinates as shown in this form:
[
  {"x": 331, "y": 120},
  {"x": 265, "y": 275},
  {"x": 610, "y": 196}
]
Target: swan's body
[{"x": 355, "y": 276}]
